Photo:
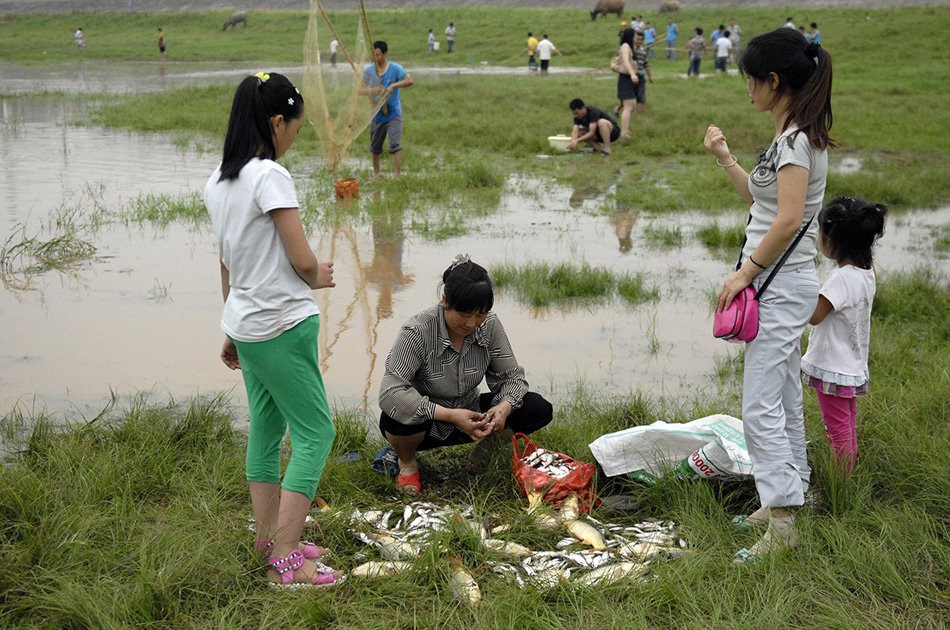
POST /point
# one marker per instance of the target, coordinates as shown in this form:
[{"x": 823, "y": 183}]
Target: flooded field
[{"x": 143, "y": 314}]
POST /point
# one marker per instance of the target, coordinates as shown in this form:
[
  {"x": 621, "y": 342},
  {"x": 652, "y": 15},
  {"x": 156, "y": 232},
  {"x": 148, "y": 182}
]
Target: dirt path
[{"x": 161, "y": 6}]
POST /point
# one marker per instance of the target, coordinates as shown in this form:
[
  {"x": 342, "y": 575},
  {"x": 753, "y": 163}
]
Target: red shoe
[{"x": 409, "y": 483}]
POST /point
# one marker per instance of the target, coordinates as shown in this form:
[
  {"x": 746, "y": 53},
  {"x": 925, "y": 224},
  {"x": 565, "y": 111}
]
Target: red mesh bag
[{"x": 578, "y": 480}]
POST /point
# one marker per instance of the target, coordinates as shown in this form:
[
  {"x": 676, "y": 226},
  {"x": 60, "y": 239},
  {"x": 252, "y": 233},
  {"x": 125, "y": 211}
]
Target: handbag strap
[{"x": 781, "y": 261}]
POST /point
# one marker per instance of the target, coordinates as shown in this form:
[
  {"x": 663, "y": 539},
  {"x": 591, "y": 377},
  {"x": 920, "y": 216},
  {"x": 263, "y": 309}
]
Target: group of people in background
[{"x": 449, "y": 38}]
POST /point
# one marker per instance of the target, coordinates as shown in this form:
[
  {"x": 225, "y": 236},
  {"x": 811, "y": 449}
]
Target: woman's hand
[
  {"x": 715, "y": 141},
  {"x": 229, "y": 355},
  {"x": 474, "y": 424},
  {"x": 731, "y": 288},
  {"x": 497, "y": 416}
]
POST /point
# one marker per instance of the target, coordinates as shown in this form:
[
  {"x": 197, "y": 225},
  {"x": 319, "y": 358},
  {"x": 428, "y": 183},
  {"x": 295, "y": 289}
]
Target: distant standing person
[
  {"x": 334, "y": 45},
  {"x": 789, "y": 23},
  {"x": 545, "y": 48},
  {"x": 80, "y": 39},
  {"x": 815, "y": 34},
  {"x": 450, "y": 36},
  {"x": 628, "y": 82},
  {"x": 643, "y": 71},
  {"x": 697, "y": 52},
  {"x": 161, "y": 42},
  {"x": 672, "y": 32},
  {"x": 383, "y": 80},
  {"x": 649, "y": 41},
  {"x": 723, "y": 51},
  {"x": 431, "y": 40},
  {"x": 735, "y": 33},
  {"x": 532, "y": 50},
  {"x": 716, "y": 34},
  {"x": 593, "y": 126}
]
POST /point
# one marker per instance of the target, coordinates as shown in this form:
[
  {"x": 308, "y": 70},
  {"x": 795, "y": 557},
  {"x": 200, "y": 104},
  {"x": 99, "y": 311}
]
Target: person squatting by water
[
  {"x": 791, "y": 79},
  {"x": 383, "y": 80},
  {"x": 593, "y": 126},
  {"x": 429, "y": 394},
  {"x": 271, "y": 321},
  {"x": 836, "y": 362}
]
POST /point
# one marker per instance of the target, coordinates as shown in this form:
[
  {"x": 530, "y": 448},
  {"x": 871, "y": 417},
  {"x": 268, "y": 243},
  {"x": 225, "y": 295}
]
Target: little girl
[
  {"x": 271, "y": 321},
  {"x": 836, "y": 363}
]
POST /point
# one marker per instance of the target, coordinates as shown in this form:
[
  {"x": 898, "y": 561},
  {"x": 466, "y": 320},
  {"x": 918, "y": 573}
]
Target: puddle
[{"x": 145, "y": 317}]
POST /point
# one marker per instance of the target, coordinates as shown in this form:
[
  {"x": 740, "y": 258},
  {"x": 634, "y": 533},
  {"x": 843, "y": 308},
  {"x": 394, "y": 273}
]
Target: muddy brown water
[{"x": 143, "y": 317}]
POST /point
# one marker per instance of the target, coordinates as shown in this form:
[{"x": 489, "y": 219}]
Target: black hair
[
  {"x": 467, "y": 288},
  {"x": 626, "y": 37},
  {"x": 722, "y": 26},
  {"x": 249, "y": 135},
  {"x": 726, "y": 33},
  {"x": 698, "y": 30},
  {"x": 383, "y": 46},
  {"x": 529, "y": 34},
  {"x": 804, "y": 74},
  {"x": 545, "y": 36},
  {"x": 814, "y": 25},
  {"x": 850, "y": 227},
  {"x": 576, "y": 104}
]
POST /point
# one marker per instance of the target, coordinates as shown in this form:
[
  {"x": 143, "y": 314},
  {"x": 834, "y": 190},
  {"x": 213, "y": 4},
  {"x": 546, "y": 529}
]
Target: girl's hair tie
[
  {"x": 460, "y": 259},
  {"x": 262, "y": 77},
  {"x": 812, "y": 49}
]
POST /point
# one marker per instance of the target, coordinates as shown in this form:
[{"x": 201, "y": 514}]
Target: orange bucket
[{"x": 347, "y": 188}]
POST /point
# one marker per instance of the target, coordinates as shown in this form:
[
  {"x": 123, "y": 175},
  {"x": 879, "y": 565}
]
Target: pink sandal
[
  {"x": 310, "y": 551},
  {"x": 285, "y": 568}
]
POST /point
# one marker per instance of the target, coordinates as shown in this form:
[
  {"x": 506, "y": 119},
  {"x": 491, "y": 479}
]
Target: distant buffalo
[
  {"x": 236, "y": 18},
  {"x": 668, "y": 6},
  {"x": 607, "y": 6}
]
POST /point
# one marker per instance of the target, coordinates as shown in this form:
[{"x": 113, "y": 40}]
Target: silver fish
[{"x": 379, "y": 569}]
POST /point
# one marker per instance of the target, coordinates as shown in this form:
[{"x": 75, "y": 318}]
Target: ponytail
[
  {"x": 258, "y": 99},
  {"x": 805, "y": 74},
  {"x": 852, "y": 226}
]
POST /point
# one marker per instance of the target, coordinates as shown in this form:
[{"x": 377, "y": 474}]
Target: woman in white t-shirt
[
  {"x": 790, "y": 79},
  {"x": 271, "y": 321},
  {"x": 836, "y": 363}
]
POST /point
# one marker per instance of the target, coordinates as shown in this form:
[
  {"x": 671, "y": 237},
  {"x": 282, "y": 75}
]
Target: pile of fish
[
  {"x": 593, "y": 553},
  {"x": 550, "y": 463}
]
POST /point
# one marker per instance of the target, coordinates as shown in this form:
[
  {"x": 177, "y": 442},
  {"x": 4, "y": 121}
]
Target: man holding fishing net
[{"x": 382, "y": 81}]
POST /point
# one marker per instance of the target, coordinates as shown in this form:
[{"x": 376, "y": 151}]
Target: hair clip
[
  {"x": 262, "y": 77},
  {"x": 812, "y": 51},
  {"x": 460, "y": 259},
  {"x": 290, "y": 101},
  {"x": 296, "y": 90}
]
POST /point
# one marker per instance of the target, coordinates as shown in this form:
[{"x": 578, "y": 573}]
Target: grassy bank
[{"x": 137, "y": 519}]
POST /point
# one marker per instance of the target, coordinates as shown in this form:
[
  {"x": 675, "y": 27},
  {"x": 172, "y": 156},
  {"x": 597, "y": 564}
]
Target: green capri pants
[{"x": 285, "y": 390}]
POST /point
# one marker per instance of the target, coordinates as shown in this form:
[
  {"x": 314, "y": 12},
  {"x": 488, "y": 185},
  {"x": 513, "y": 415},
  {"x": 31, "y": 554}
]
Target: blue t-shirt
[
  {"x": 816, "y": 37},
  {"x": 671, "y": 32},
  {"x": 716, "y": 34},
  {"x": 649, "y": 35},
  {"x": 394, "y": 74}
]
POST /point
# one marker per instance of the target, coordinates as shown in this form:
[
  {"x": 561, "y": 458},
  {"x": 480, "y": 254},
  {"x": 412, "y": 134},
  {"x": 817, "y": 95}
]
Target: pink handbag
[{"x": 740, "y": 321}]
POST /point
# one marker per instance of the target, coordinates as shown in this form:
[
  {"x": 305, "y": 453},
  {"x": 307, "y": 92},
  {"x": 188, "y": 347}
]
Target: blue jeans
[
  {"x": 671, "y": 50},
  {"x": 694, "y": 66},
  {"x": 772, "y": 415}
]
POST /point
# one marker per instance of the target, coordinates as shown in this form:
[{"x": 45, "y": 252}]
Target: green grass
[
  {"x": 542, "y": 284},
  {"x": 136, "y": 518}
]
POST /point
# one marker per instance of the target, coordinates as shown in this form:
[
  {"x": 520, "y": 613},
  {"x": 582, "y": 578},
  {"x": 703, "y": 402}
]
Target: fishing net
[{"x": 335, "y": 107}]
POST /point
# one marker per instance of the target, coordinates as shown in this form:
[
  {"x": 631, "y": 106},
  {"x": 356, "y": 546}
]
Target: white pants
[{"x": 772, "y": 413}]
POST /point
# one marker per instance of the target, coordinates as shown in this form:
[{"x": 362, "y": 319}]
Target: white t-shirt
[
  {"x": 544, "y": 49},
  {"x": 267, "y": 297},
  {"x": 734, "y": 32},
  {"x": 839, "y": 344},
  {"x": 333, "y": 46},
  {"x": 763, "y": 184},
  {"x": 723, "y": 46}
]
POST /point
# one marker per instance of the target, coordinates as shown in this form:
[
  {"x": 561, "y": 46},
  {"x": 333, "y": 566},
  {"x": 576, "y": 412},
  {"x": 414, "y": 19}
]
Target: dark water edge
[{"x": 9, "y": 7}]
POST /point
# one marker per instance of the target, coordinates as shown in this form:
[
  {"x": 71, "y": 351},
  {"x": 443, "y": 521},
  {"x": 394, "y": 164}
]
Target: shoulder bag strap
[{"x": 788, "y": 252}]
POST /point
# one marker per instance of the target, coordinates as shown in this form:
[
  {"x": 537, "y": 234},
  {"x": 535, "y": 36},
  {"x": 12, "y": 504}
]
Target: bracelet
[
  {"x": 756, "y": 264},
  {"x": 734, "y": 162}
]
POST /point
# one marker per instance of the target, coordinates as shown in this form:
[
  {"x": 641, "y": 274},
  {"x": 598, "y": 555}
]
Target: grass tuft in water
[{"x": 542, "y": 284}]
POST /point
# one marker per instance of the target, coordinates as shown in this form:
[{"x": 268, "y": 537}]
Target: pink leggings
[{"x": 840, "y": 415}]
